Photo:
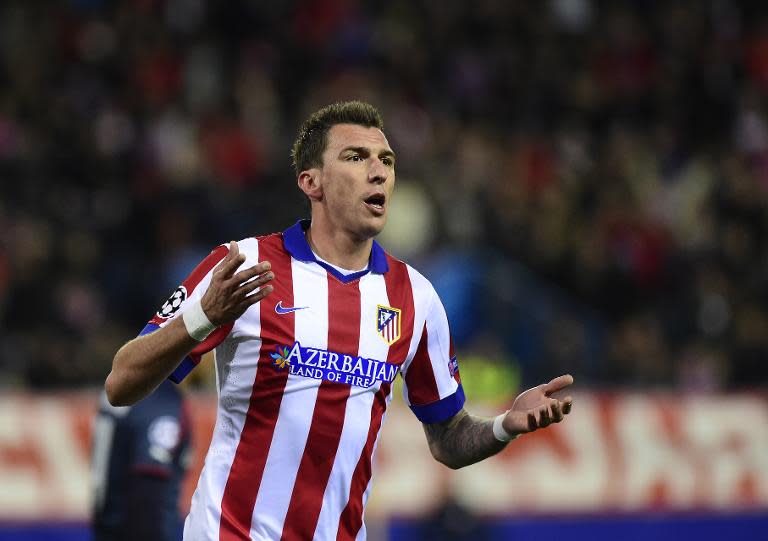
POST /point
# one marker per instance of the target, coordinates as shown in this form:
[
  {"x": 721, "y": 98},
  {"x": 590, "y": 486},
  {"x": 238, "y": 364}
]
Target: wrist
[
  {"x": 197, "y": 323},
  {"x": 499, "y": 431}
]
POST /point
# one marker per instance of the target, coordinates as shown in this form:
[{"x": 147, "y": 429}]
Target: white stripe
[
  {"x": 310, "y": 288},
  {"x": 439, "y": 349},
  {"x": 236, "y": 360},
  {"x": 357, "y": 416}
]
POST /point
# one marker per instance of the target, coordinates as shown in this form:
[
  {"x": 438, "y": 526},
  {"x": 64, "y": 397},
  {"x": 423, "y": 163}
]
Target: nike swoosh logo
[{"x": 280, "y": 309}]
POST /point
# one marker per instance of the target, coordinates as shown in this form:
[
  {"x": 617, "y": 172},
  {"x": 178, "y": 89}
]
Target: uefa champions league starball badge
[{"x": 174, "y": 302}]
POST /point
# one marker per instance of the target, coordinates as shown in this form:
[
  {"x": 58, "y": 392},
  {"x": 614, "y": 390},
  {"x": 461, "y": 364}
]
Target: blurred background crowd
[{"x": 585, "y": 182}]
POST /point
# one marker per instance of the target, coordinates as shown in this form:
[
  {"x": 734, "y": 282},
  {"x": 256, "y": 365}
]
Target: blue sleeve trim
[
  {"x": 149, "y": 328},
  {"x": 187, "y": 363},
  {"x": 441, "y": 410},
  {"x": 185, "y": 367}
]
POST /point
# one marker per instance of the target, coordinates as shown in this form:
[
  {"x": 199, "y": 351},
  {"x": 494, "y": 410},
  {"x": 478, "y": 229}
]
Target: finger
[
  {"x": 231, "y": 262},
  {"x": 234, "y": 251},
  {"x": 557, "y": 412},
  {"x": 237, "y": 258},
  {"x": 253, "y": 298},
  {"x": 567, "y": 405},
  {"x": 250, "y": 272},
  {"x": 558, "y": 384},
  {"x": 533, "y": 424},
  {"x": 545, "y": 416},
  {"x": 248, "y": 288}
]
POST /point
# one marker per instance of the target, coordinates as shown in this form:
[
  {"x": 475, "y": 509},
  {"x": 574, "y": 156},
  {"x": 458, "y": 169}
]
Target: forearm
[
  {"x": 144, "y": 362},
  {"x": 462, "y": 440}
]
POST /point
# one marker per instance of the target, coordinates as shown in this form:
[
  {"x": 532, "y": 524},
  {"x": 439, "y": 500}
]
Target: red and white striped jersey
[{"x": 304, "y": 380}]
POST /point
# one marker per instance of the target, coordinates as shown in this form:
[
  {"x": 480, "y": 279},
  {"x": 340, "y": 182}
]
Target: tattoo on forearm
[{"x": 462, "y": 440}]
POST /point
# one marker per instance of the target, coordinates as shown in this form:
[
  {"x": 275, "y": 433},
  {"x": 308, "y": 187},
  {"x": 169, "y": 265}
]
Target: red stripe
[
  {"x": 420, "y": 378},
  {"x": 197, "y": 275},
  {"x": 248, "y": 465},
  {"x": 351, "y": 519},
  {"x": 211, "y": 341},
  {"x": 400, "y": 295},
  {"x": 328, "y": 417}
]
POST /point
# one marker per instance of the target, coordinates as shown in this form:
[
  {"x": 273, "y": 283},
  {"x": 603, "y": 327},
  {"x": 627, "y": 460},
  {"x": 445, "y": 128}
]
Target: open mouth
[{"x": 376, "y": 202}]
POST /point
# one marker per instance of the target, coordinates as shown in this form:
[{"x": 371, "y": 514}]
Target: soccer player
[
  {"x": 310, "y": 327},
  {"x": 139, "y": 458}
]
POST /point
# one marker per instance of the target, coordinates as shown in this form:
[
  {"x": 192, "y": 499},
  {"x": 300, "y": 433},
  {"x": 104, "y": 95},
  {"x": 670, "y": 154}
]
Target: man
[
  {"x": 310, "y": 327},
  {"x": 140, "y": 455}
]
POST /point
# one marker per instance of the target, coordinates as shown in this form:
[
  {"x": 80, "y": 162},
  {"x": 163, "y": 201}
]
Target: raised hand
[
  {"x": 229, "y": 295},
  {"x": 537, "y": 408}
]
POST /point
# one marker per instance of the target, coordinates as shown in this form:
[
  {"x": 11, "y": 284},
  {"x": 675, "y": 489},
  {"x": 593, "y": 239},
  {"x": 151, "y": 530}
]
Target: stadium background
[{"x": 585, "y": 182}]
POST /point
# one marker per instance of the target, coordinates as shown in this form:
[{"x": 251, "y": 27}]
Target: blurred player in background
[
  {"x": 310, "y": 328},
  {"x": 140, "y": 456}
]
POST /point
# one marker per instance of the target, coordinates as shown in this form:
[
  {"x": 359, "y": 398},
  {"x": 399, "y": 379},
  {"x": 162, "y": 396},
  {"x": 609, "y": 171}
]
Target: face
[{"x": 356, "y": 180}]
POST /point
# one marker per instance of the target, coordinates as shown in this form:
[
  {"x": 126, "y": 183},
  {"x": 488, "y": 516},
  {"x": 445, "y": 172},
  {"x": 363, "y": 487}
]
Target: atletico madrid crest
[{"x": 388, "y": 323}]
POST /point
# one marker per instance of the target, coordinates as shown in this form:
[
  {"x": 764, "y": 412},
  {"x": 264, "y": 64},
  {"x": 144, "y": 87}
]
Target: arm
[
  {"x": 462, "y": 440},
  {"x": 141, "y": 364},
  {"x": 465, "y": 439}
]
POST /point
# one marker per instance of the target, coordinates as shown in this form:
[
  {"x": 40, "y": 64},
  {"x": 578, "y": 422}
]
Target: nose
[{"x": 378, "y": 173}]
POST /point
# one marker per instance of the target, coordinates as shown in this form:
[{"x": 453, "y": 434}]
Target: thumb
[{"x": 558, "y": 384}]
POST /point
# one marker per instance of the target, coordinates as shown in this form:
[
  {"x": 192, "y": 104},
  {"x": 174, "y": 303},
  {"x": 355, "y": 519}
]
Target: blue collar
[{"x": 296, "y": 244}]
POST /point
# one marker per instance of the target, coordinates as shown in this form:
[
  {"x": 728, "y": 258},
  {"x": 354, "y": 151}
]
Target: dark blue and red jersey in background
[{"x": 140, "y": 456}]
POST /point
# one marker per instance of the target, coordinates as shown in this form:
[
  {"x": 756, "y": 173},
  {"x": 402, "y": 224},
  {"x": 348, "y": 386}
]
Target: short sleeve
[
  {"x": 191, "y": 290},
  {"x": 432, "y": 384}
]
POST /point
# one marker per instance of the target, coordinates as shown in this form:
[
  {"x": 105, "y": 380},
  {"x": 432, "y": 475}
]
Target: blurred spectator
[{"x": 613, "y": 157}]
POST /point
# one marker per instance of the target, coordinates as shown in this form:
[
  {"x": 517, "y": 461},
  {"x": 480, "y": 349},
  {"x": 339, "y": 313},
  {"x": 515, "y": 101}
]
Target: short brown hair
[{"x": 310, "y": 143}]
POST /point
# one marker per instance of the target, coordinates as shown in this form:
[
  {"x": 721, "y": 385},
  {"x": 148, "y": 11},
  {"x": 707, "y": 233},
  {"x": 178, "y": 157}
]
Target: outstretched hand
[
  {"x": 537, "y": 408},
  {"x": 230, "y": 294}
]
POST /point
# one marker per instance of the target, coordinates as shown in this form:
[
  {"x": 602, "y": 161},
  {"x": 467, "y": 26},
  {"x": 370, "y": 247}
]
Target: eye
[
  {"x": 389, "y": 162},
  {"x": 354, "y": 158}
]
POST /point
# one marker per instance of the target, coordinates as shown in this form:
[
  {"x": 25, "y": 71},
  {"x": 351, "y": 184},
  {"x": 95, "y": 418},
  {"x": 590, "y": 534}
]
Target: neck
[{"x": 339, "y": 248}]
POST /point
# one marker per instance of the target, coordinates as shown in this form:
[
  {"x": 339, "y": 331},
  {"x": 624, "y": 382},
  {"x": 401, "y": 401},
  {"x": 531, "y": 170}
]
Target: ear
[{"x": 309, "y": 183}]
